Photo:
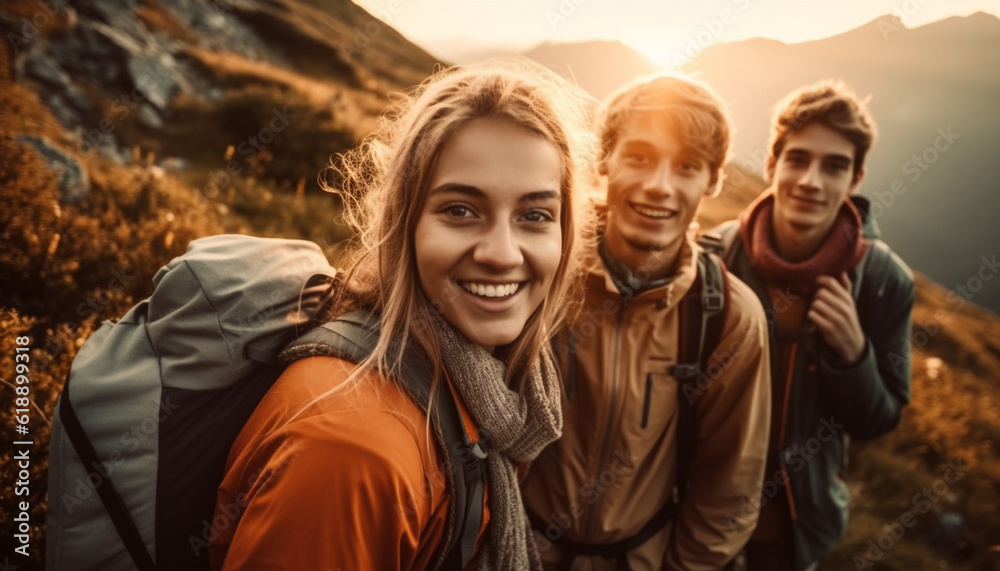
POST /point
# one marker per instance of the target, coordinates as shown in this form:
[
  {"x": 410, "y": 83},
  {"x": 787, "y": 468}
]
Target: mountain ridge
[{"x": 921, "y": 81}]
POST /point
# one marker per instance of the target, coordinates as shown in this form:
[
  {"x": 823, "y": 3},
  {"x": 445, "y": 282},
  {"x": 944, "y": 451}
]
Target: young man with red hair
[{"x": 666, "y": 394}]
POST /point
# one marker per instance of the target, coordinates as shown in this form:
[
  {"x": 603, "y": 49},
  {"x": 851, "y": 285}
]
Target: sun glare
[{"x": 659, "y": 52}]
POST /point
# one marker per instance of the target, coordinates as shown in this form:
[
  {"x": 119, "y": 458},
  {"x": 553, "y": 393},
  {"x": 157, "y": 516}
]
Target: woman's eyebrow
[
  {"x": 475, "y": 192},
  {"x": 466, "y": 189},
  {"x": 540, "y": 195}
]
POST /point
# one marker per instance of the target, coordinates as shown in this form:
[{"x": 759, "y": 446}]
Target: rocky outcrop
[
  {"x": 107, "y": 65},
  {"x": 73, "y": 181},
  {"x": 112, "y": 71}
]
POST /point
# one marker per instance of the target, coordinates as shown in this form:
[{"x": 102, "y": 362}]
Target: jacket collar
[
  {"x": 667, "y": 296},
  {"x": 869, "y": 228}
]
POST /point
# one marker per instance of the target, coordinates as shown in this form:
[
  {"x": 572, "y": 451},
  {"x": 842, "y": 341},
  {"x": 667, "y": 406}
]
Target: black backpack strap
[
  {"x": 106, "y": 490},
  {"x": 617, "y": 551},
  {"x": 874, "y": 267},
  {"x": 353, "y": 336},
  {"x": 701, "y": 320},
  {"x": 723, "y": 241}
]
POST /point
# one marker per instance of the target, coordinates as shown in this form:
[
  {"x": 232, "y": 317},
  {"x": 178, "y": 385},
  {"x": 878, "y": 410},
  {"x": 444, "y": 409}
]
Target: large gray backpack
[{"x": 154, "y": 401}]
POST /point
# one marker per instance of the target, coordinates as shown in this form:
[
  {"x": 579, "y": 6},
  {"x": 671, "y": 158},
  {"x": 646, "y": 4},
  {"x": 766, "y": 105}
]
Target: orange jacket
[
  {"x": 613, "y": 469},
  {"x": 352, "y": 482}
]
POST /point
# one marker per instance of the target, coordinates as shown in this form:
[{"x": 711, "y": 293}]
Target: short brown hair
[
  {"x": 692, "y": 110},
  {"x": 831, "y": 103}
]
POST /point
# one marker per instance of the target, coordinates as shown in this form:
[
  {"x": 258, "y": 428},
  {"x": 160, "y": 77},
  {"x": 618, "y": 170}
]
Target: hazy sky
[{"x": 448, "y": 28}]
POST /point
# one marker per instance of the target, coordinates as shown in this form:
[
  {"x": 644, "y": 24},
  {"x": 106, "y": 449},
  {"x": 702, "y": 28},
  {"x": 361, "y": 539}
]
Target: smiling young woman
[
  {"x": 467, "y": 209},
  {"x": 489, "y": 236}
]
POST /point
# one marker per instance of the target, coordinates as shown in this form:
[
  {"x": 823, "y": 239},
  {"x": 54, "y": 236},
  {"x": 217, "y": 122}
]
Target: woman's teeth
[{"x": 490, "y": 290}]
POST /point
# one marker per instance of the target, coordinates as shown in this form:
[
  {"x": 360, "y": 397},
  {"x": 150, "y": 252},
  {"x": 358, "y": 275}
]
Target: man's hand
[{"x": 835, "y": 315}]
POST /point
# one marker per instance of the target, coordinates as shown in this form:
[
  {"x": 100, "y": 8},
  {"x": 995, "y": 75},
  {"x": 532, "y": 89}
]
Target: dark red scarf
[{"x": 843, "y": 248}]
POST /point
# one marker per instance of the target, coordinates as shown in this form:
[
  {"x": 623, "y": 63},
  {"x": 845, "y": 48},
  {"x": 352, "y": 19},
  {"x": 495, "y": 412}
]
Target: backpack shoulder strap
[
  {"x": 874, "y": 268},
  {"x": 702, "y": 317},
  {"x": 105, "y": 488},
  {"x": 722, "y": 241},
  {"x": 353, "y": 336}
]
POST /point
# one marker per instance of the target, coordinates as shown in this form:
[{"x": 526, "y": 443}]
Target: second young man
[{"x": 607, "y": 495}]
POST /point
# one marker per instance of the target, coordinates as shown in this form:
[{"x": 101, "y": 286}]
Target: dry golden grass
[
  {"x": 22, "y": 113},
  {"x": 235, "y": 71}
]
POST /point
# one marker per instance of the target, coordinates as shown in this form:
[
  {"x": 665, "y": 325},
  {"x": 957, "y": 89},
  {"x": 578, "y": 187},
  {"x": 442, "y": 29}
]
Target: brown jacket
[
  {"x": 354, "y": 482},
  {"x": 611, "y": 473}
]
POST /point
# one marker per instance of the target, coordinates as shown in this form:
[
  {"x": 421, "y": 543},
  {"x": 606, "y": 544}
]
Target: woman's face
[{"x": 489, "y": 239}]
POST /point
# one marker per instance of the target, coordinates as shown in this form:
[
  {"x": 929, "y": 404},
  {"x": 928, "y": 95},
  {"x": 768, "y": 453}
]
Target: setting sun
[{"x": 658, "y": 52}]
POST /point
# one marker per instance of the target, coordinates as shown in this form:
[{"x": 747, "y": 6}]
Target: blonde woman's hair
[{"x": 384, "y": 183}]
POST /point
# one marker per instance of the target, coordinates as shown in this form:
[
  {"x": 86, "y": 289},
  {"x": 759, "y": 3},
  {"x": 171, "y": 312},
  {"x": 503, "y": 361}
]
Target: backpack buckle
[
  {"x": 712, "y": 300},
  {"x": 685, "y": 371},
  {"x": 713, "y": 295},
  {"x": 473, "y": 455},
  {"x": 478, "y": 451},
  {"x": 711, "y": 241}
]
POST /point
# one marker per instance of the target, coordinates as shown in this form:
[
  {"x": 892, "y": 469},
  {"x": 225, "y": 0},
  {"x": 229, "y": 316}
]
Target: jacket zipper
[
  {"x": 603, "y": 458},
  {"x": 645, "y": 403},
  {"x": 781, "y": 435}
]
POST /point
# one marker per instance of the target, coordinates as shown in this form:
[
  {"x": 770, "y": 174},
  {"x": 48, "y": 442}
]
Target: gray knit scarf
[{"x": 519, "y": 427}]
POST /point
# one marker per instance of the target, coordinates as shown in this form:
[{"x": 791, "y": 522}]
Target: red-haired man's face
[{"x": 655, "y": 186}]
